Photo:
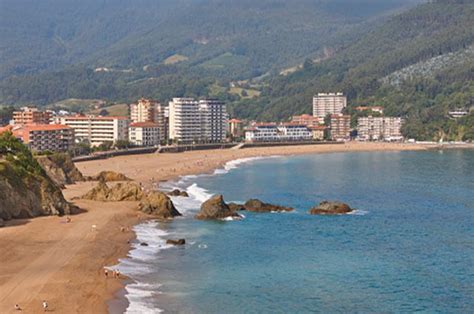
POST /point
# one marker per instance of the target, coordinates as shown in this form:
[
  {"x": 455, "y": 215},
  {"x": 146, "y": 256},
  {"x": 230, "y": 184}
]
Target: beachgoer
[
  {"x": 68, "y": 219},
  {"x": 17, "y": 307},
  {"x": 117, "y": 273},
  {"x": 45, "y": 305},
  {"x": 106, "y": 273}
]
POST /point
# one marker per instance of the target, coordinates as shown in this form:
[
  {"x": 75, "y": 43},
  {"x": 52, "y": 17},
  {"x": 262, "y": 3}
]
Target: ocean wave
[{"x": 358, "y": 212}]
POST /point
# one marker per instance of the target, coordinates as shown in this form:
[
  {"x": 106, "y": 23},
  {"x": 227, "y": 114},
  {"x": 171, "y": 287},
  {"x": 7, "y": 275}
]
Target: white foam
[{"x": 358, "y": 212}]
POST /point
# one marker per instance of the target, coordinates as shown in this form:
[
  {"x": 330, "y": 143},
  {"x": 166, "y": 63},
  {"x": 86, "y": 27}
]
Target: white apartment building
[
  {"x": 271, "y": 132},
  {"x": 147, "y": 110},
  {"x": 144, "y": 134},
  {"x": 328, "y": 103},
  {"x": 96, "y": 129},
  {"x": 213, "y": 120},
  {"x": 379, "y": 128},
  {"x": 192, "y": 121}
]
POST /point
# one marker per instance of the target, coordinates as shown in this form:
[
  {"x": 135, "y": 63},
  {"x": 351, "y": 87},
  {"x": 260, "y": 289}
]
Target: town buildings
[
  {"x": 97, "y": 130},
  {"x": 144, "y": 134},
  {"x": 272, "y": 132},
  {"x": 43, "y": 137},
  {"x": 30, "y": 115},
  {"x": 332, "y": 103},
  {"x": 236, "y": 128},
  {"x": 376, "y": 109},
  {"x": 213, "y": 120},
  {"x": 147, "y": 110},
  {"x": 318, "y": 132},
  {"x": 307, "y": 120},
  {"x": 192, "y": 121},
  {"x": 379, "y": 128},
  {"x": 340, "y": 127}
]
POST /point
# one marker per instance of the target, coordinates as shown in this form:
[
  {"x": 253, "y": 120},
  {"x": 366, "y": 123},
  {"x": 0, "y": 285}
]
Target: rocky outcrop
[
  {"x": 236, "y": 207},
  {"x": 331, "y": 208},
  {"x": 216, "y": 208},
  {"x": 159, "y": 205},
  {"x": 28, "y": 195},
  {"x": 109, "y": 176},
  {"x": 176, "y": 242},
  {"x": 177, "y": 192},
  {"x": 255, "y": 205},
  {"x": 128, "y": 191},
  {"x": 2, "y": 223},
  {"x": 61, "y": 169}
]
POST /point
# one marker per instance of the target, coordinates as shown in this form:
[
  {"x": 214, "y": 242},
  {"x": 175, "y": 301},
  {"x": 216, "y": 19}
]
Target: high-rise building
[
  {"x": 30, "y": 115},
  {"x": 340, "y": 127},
  {"x": 378, "y": 128},
  {"x": 144, "y": 134},
  {"x": 96, "y": 129},
  {"x": 192, "y": 121},
  {"x": 147, "y": 110},
  {"x": 213, "y": 120},
  {"x": 43, "y": 137},
  {"x": 332, "y": 103}
]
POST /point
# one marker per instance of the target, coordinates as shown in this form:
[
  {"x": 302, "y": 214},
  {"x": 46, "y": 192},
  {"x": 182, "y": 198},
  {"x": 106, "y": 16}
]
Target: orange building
[
  {"x": 29, "y": 115},
  {"x": 307, "y": 120},
  {"x": 43, "y": 137}
]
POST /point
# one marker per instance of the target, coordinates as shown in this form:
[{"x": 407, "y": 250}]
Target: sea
[{"x": 408, "y": 247}]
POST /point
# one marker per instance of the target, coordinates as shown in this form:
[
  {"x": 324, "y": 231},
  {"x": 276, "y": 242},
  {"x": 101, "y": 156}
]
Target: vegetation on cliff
[{"x": 25, "y": 189}]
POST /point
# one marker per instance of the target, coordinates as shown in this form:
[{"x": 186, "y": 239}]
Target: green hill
[{"x": 431, "y": 44}]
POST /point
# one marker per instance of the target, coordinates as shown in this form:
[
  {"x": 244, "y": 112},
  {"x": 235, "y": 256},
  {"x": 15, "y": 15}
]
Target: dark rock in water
[
  {"x": 255, "y": 205},
  {"x": 158, "y": 204},
  {"x": 176, "y": 242},
  {"x": 236, "y": 207},
  {"x": 144, "y": 244},
  {"x": 330, "y": 208},
  {"x": 216, "y": 208},
  {"x": 177, "y": 192}
]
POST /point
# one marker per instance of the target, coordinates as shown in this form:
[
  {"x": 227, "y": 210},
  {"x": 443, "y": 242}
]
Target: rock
[
  {"x": 215, "y": 208},
  {"x": 255, "y": 205},
  {"x": 330, "y": 208},
  {"x": 236, "y": 207},
  {"x": 2, "y": 223},
  {"x": 109, "y": 176},
  {"x": 177, "y": 192},
  {"x": 60, "y": 168},
  {"x": 158, "y": 204},
  {"x": 176, "y": 242},
  {"x": 144, "y": 244},
  {"x": 29, "y": 195},
  {"x": 128, "y": 191}
]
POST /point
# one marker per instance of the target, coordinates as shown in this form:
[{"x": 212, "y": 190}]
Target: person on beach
[
  {"x": 106, "y": 273},
  {"x": 17, "y": 307},
  {"x": 45, "y": 305}
]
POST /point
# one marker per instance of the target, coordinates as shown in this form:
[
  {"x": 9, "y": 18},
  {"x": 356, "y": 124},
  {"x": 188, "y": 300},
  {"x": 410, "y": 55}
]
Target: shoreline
[{"x": 70, "y": 257}]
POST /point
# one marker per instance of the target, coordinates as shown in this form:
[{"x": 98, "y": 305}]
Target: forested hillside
[
  {"x": 49, "y": 49},
  {"x": 416, "y": 37}
]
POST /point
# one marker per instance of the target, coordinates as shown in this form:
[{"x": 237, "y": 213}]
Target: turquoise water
[{"x": 409, "y": 247}]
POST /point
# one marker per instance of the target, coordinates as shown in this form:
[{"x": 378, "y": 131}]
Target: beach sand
[{"x": 48, "y": 259}]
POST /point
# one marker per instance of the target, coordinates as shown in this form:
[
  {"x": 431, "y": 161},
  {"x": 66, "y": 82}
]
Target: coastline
[{"x": 63, "y": 263}]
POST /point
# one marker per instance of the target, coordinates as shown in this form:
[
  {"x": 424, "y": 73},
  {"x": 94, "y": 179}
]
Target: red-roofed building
[
  {"x": 236, "y": 128},
  {"x": 144, "y": 134},
  {"x": 307, "y": 120},
  {"x": 318, "y": 132},
  {"x": 43, "y": 137}
]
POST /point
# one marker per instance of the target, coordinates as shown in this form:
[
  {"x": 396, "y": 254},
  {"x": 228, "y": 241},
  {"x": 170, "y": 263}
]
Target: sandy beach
[{"x": 48, "y": 259}]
